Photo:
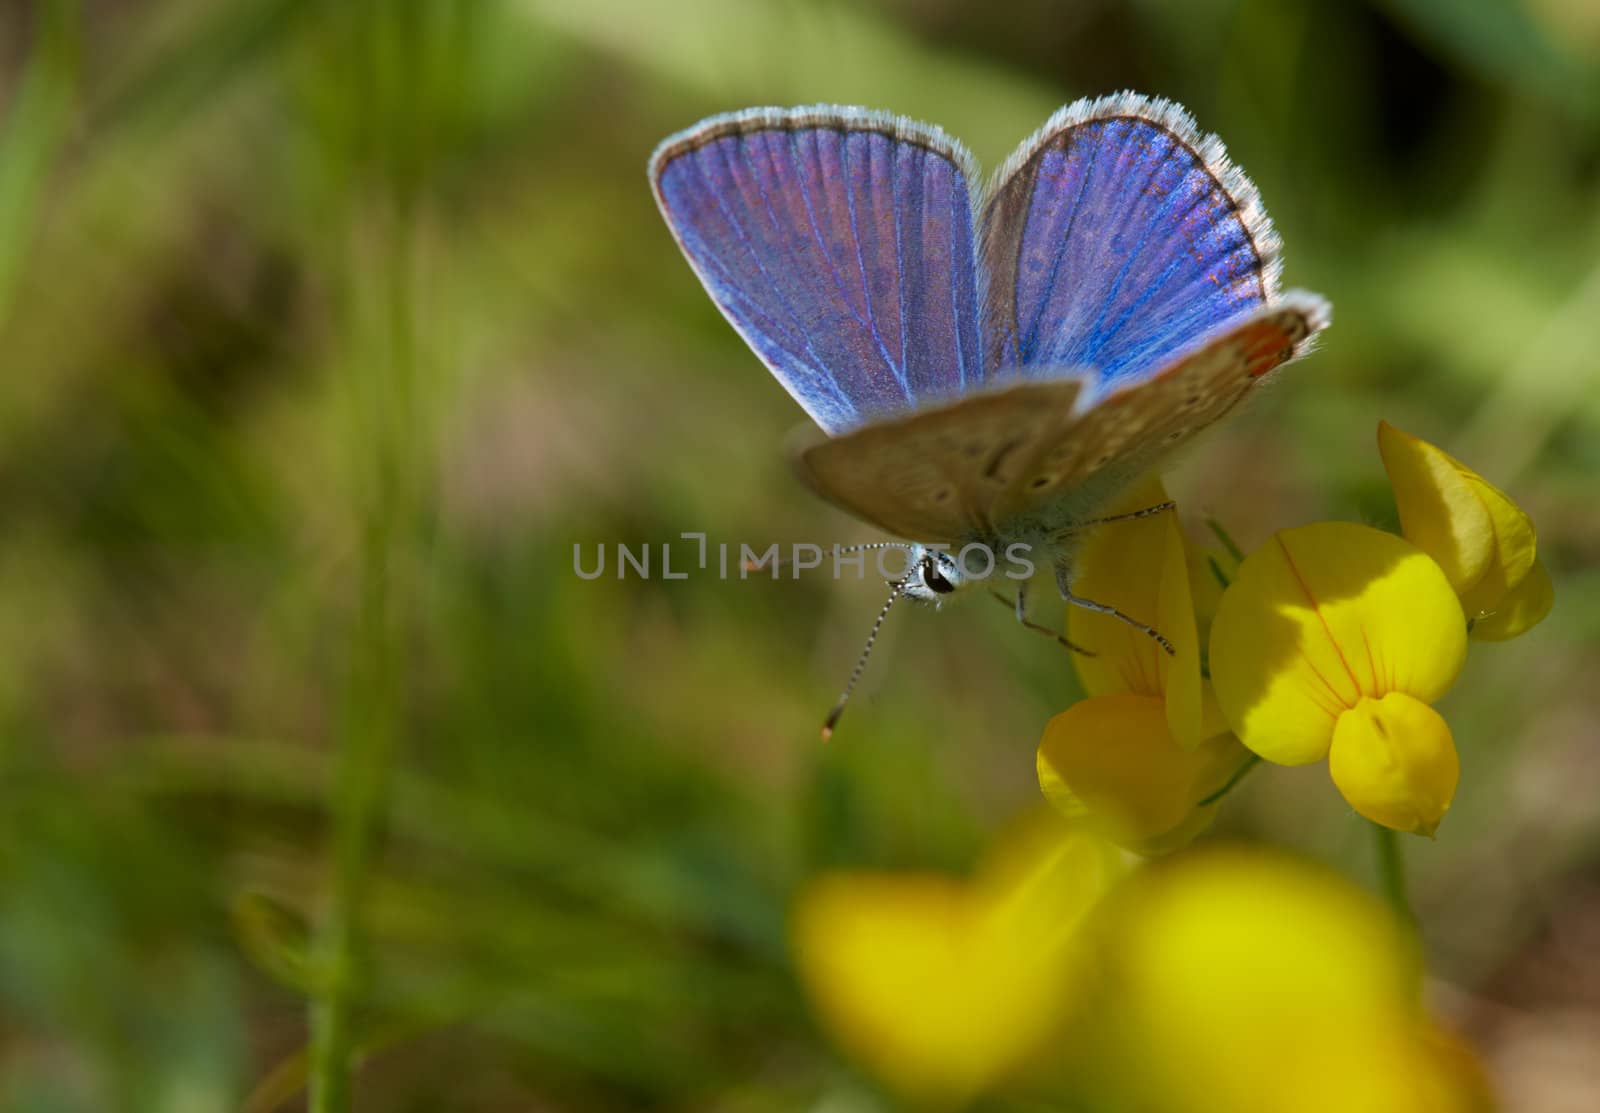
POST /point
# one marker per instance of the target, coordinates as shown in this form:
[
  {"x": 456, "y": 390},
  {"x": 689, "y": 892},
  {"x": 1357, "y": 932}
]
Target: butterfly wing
[
  {"x": 1034, "y": 459},
  {"x": 1116, "y": 236},
  {"x": 1131, "y": 279},
  {"x": 839, "y": 243},
  {"x": 1124, "y": 434},
  {"x": 938, "y": 474}
]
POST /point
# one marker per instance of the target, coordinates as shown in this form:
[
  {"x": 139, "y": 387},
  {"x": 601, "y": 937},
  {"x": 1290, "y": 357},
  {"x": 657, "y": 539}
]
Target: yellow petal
[
  {"x": 1520, "y": 610},
  {"x": 943, "y": 987},
  {"x": 1056, "y": 791},
  {"x": 1245, "y": 981},
  {"x": 1223, "y": 758},
  {"x": 1395, "y": 762},
  {"x": 1181, "y": 682},
  {"x": 1114, "y": 759},
  {"x": 1140, "y": 567},
  {"x": 1514, "y": 551},
  {"x": 1041, "y": 877},
  {"x": 1212, "y": 721},
  {"x": 1255, "y": 930},
  {"x": 869, "y": 945},
  {"x": 1484, "y": 542},
  {"x": 1321, "y": 616},
  {"x": 1120, "y": 565}
]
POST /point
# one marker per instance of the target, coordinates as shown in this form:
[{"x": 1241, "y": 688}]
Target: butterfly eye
[{"x": 935, "y": 579}]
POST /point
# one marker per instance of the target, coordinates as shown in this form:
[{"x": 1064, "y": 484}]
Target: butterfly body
[{"x": 987, "y": 364}]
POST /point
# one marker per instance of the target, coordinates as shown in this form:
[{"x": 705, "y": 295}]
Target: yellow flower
[
  {"x": 1113, "y": 758},
  {"x": 1484, "y": 542},
  {"x": 1394, "y": 760},
  {"x": 1210, "y": 572},
  {"x": 1336, "y": 637},
  {"x": 1149, "y": 744},
  {"x": 1244, "y": 980},
  {"x": 1141, "y": 568},
  {"x": 943, "y": 987}
]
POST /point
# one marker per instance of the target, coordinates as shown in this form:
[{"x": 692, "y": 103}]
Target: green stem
[
  {"x": 1226, "y": 540},
  {"x": 32, "y": 131},
  {"x": 372, "y": 721},
  {"x": 1392, "y": 871},
  {"x": 360, "y": 789},
  {"x": 390, "y": 57},
  {"x": 1239, "y": 774},
  {"x": 1217, "y": 572}
]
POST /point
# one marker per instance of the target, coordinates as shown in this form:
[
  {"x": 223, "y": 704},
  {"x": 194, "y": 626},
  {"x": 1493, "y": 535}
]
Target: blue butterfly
[{"x": 990, "y": 363}]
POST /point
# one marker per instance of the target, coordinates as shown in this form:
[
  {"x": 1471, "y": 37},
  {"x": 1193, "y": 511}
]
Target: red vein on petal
[
  {"x": 1372, "y": 663},
  {"x": 1338, "y": 706},
  {"x": 1316, "y": 609}
]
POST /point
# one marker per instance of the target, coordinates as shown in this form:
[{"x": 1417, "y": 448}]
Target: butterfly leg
[
  {"x": 1147, "y": 512},
  {"x": 1064, "y": 585},
  {"x": 1021, "y": 606}
]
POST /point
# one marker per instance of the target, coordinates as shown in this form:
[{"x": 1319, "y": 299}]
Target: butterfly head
[{"x": 932, "y": 576}]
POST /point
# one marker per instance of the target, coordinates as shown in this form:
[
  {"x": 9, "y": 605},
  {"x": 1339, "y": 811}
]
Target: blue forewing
[{"x": 840, "y": 244}]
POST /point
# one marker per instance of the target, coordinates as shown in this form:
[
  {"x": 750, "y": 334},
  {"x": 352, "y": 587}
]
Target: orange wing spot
[{"x": 1266, "y": 346}]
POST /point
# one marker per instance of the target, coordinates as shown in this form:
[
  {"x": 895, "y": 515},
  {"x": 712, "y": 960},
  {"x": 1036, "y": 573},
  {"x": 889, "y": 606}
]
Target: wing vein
[
  {"x": 1032, "y": 336},
  {"x": 816, "y": 230},
  {"x": 817, "y": 369},
  {"x": 895, "y": 215},
  {"x": 861, "y": 262},
  {"x": 955, "y": 288},
  {"x": 1131, "y": 256}
]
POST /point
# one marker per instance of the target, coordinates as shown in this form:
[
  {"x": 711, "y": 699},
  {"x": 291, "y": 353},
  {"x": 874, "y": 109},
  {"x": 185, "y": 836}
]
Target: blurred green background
[{"x": 327, "y": 330}]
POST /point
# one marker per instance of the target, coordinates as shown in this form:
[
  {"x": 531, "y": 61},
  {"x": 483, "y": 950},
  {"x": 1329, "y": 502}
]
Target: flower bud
[{"x": 1483, "y": 540}]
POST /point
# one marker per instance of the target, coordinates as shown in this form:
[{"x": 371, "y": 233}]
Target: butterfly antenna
[
  {"x": 778, "y": 562},
  {"x": 838, "y": 709}
]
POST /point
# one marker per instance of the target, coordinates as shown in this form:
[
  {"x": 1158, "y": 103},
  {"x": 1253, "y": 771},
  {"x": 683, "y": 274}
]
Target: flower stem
[
  {"x": 1226, "y": 540},
  {"x": 1217, "y": 572},
  {"x": 383, "y": 381},
  {"x": 1239, "y": 774},
  {"x": 34, "y": 125},
  {"x": 1392, "y": 871}
]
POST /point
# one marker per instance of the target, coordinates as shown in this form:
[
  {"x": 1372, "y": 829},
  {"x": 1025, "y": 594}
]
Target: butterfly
[{"x": 987, "y": 364}]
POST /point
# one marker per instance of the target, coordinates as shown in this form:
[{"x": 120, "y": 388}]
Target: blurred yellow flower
[
  {"x": 1484, "y": 542},
  {"x": 1336, "y": 637},
  {"x": 1244, "y": 980},
  {"x": 943, "y": 987},
  {"x": 1148, "y": 744}
]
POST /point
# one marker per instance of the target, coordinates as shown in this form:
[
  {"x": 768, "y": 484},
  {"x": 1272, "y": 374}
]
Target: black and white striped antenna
[{"x": 832, "y": 720}]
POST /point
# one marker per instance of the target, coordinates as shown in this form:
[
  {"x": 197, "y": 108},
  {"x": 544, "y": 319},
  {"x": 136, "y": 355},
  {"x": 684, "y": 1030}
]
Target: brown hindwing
[{"x": 1032, "y": 453}]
